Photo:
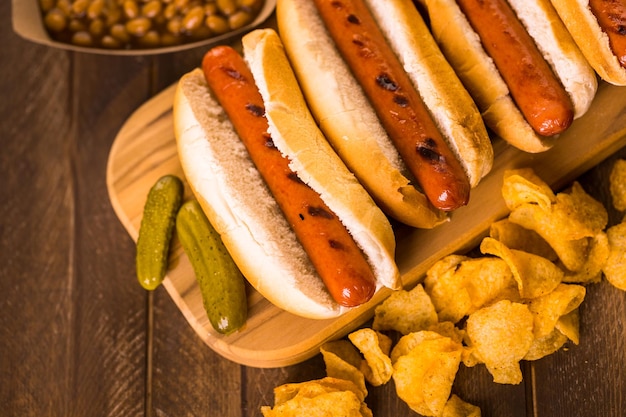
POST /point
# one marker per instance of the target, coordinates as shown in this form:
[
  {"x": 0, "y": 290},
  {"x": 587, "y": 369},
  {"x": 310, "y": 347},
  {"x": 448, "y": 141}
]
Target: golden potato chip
[
  {"x": 569, "y": 325},
  {"x": 405, "y": 311},
  {"x": 424, "y": 375},
  {"x": 456, "y": 407},
  {"x": 319, "y": 398},
  {"x": 410, "y": 341},
  {"x": 448, "y": 329},
  {"x": 375, "y": 347},
  {"x": 461, "y": 288},
  {"x": 517, "y": 237},
  {"x": 534, "y": 274},
  {"x": 523, "y": 186},
  {"x": 548, "y": 309},
  {"x": 310, "y": 389},
  {"x": 591, "y": 270},
  {"x": 501, "y": 336},
  {"x": 446, "y": 289},
  {"x": 343, "y": 361},
  {"x": 545, "y": 345},
  {"x": 570, "y": 252},
  {"x": 615, "y": 267},
  {"x": 487, "y": 280},
  {"x": 617, "y": 184}
]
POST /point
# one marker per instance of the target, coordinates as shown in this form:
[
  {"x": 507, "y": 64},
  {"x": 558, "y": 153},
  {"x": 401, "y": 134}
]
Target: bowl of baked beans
[{"x": 136, "y": 27}]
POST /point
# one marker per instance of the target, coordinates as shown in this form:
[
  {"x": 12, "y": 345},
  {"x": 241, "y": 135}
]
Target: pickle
[
  {"x": 221, "y": 283},
  {"x": 155, "y": 232}
]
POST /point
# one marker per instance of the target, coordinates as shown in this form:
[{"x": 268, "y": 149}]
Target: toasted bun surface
[
  {"x": 592, "y": 41},
  {"x": 345, "y": 116},
  {"x": 463, "y": 49},
  {"x": 297, "y": 136}
]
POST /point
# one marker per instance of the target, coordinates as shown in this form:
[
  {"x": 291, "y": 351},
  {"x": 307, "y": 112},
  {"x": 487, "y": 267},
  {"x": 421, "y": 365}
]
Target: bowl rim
[{"x": 27, "y": 22}]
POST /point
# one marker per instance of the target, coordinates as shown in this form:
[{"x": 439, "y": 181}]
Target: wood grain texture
[
  {"x": 78, "y": 335},
  {"x": 145, "y": 149}
]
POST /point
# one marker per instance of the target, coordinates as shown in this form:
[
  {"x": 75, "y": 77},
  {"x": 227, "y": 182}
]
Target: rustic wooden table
[{"x": 79, "y": 337}]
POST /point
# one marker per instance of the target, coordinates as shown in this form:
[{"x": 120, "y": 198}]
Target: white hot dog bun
[
  {"x": 350, "y": 123},
  {"x": 591, "y": 39},
  {"x": 237, "y": 202},
  {"x": 464, "y": 50}
]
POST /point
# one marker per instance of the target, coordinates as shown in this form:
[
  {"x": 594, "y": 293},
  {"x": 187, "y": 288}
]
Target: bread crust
[{"x": 592, "y": 41}]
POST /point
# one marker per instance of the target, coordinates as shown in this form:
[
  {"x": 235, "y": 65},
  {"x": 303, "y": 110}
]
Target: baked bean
[{"x": 128, "y": 24}]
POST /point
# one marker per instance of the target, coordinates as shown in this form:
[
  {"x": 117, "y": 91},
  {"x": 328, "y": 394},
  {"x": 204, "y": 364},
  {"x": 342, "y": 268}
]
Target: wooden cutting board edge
[{"x": 144, "y": 149}]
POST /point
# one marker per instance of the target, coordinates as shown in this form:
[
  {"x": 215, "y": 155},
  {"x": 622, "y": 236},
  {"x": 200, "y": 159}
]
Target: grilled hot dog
[
  {"x": 334, "y": 254},
  {"x": 520, "y": 64}
]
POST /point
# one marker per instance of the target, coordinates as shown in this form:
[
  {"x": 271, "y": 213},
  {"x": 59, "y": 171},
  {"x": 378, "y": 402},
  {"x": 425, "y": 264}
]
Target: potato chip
[
  {"x": 456, "y": 407},
  {"x": 343, "y": 361},
  {"x": 410, "y": 341},
  {"x": 405, "y": 311},
  {"x": 501, "y": 336},
  {"x": 319, "y": 398},
  {"x": 591, "y": 270},
  {"x": 549, "y": 308},
  {"x": 546, "y": 345},
  {"x": 523, "y": 186},
  {"x": 424, "y": 374},
  {"x": 569, "y": 325},
  {"x": 517, "y": 237},
  {"x": 617, "y": 184},
  {"x": 375, "y": 347},
  {"x": 571, "y": 253},
  {"x": 534, "y": 274},
  {"x": 448, "y": 329},
  {"x": 446, "y": 289},
  {"x": 460, "y": 288},
  {"x": 615, "y": 267}
]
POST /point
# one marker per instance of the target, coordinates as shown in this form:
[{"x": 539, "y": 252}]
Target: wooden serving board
[{"x": 145, "y": 149}]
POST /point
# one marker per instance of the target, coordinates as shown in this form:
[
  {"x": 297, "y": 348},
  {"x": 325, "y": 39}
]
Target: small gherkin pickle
[
  {"x": 155, "y": 232},
  {"x": 221, "y": 283}
]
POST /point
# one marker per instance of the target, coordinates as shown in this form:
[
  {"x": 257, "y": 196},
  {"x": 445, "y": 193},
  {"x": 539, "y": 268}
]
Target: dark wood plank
[
  {"x": 36, "y": 209},
  {"x": 111, "y": 320}
]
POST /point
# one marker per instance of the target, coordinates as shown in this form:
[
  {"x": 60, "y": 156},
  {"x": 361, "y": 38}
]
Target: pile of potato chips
[{"x": 517, "y": 302}]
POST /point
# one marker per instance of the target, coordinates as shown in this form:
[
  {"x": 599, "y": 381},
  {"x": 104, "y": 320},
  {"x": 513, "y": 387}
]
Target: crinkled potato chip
[
  {"x": 615, "y": 267},
  {"x": 408, "y": 342},
  {"x": 522, "y": 186},
  {"x": 343, "y": 361},
  {"x": 617, "y": 184},
  {"x": 405, "y": 311},
  {"x": 448, "y": 329},
  {"x": 375, "y": 347},
  {"x": 571, "y": 253},
  {"x": 461, "y": 288},
  {"x": 549, "y": 308},
  {"x": 446, "y": 289},
  {"x": 320, "y": 398},
  {"x": 569, "y": 325},
  {"x": 587, "y": 216},
  {"x": 517, "y": 237},
  {"x": 546, "y": 345},
  {"x": 534, "y": 274},
  {"x": 456, "y": 407},
  {"x": 591, "y": 270},
  {"x": 424, "y": 374},
  {"x": 501, "y": 335}
]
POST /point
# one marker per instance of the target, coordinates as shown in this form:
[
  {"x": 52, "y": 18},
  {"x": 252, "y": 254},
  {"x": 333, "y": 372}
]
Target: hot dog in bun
[
  {"x": 230, "y": 119},
  {"x": 599, "y": 29},
  {"x": 352, "y": 94},
  {"x": 519, "y": 63}
]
